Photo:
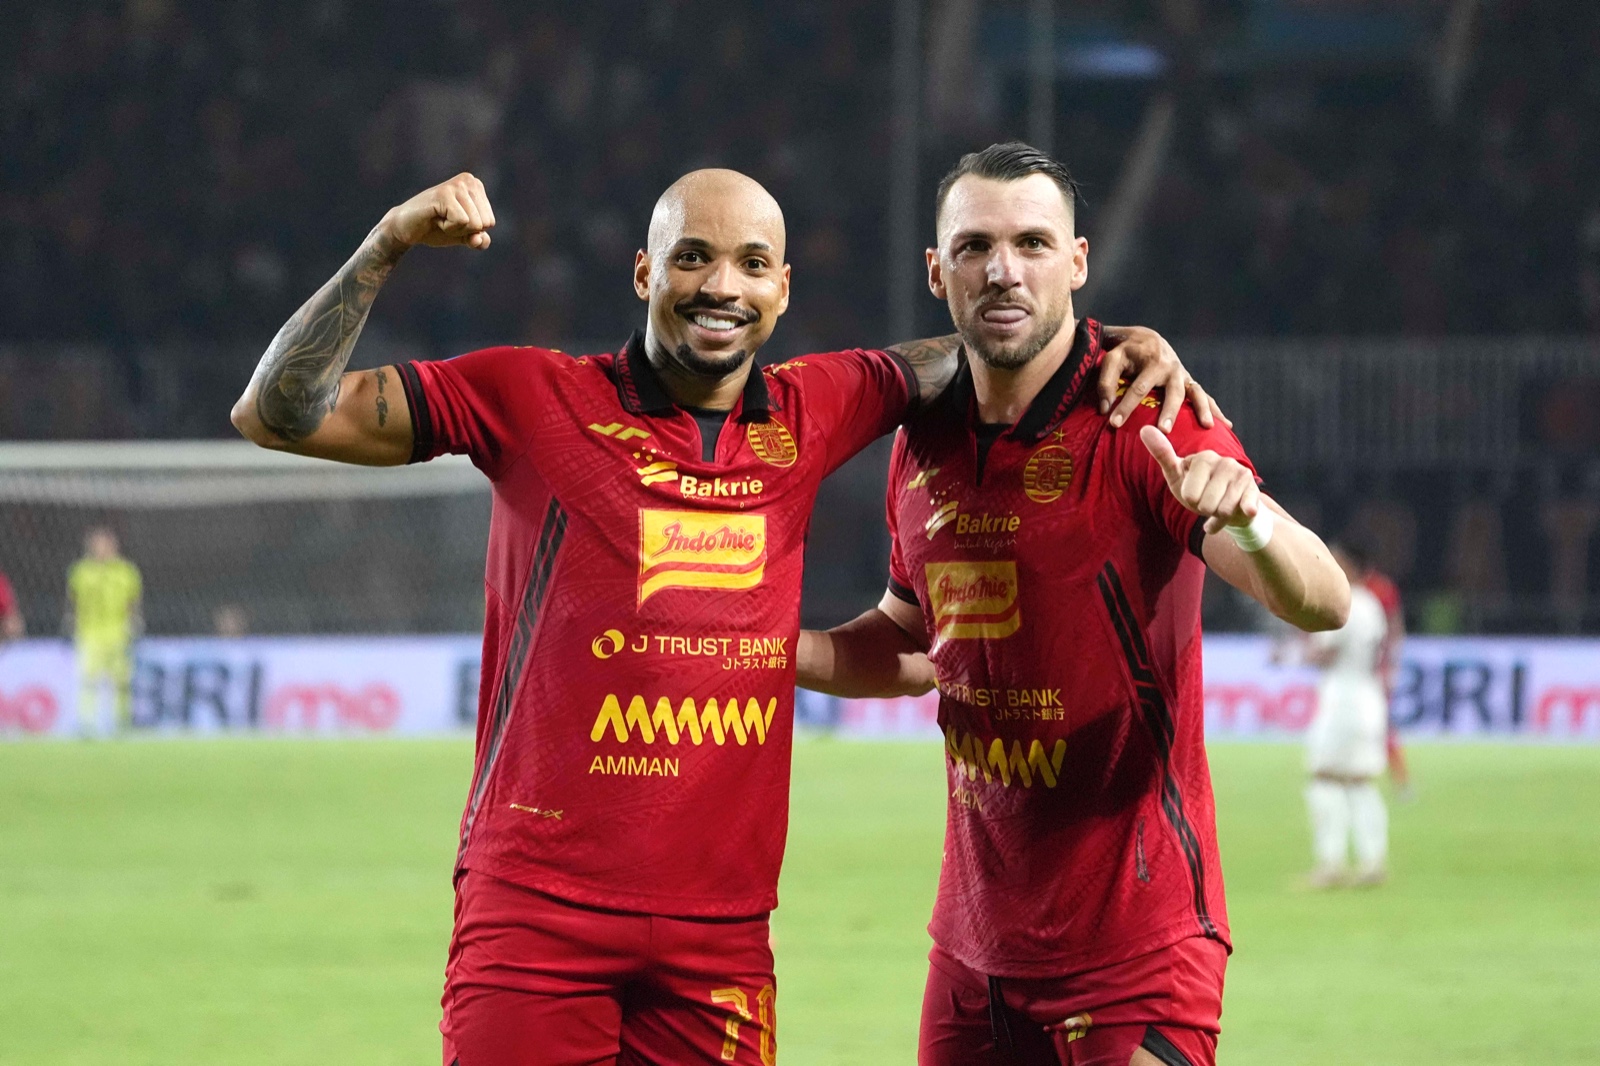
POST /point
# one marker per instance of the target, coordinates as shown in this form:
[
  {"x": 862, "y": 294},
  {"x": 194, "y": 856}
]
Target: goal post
[{"x": 231, "y": 536}]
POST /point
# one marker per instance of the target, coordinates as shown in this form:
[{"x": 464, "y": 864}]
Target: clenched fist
[
  {"x": 1222, "y": 491},
  {"x": 453, "y": 212}
]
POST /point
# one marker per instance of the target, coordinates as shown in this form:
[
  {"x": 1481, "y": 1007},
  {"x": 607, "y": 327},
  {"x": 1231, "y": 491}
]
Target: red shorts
[
  {"x": 1169, "y": 1002},
  {"x": 535, "y": 981}
]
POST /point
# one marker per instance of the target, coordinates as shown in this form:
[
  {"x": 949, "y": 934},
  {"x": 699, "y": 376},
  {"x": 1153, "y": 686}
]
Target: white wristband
[{"x": 1257, "y": 535}]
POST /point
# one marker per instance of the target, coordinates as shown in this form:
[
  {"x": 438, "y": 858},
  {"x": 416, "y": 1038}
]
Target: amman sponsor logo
[
  {"x": 972, "y": 600},
  {"x": 971, "y": 756},
  {"x": 1047, "y": 473},
  {"x": 772, "y": 442},
  {"x": 693, "y": 723},
  {"x": 693, "y": 549},
  {"x": 633, "y": 766}
]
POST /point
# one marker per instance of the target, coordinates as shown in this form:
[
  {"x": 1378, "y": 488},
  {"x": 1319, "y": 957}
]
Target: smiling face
[
  {"x": 713, "y": 273},
  {"x": 1007, "y": 264}
]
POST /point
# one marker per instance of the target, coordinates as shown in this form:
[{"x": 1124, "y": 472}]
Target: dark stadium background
[{"x": 1373, "y": 229}]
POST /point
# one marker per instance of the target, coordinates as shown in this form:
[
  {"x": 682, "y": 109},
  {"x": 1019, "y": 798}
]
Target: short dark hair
[{"x": 1011, "y": 161}]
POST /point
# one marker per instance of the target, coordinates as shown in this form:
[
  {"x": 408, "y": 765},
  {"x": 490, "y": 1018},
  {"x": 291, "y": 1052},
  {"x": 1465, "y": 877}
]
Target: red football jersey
[
  {"x": 636, "y": 708},
  {"x": 1388, "y": 594},
  {"x": 8, "y": 601},
  {"x": 1060, "y": 585}
]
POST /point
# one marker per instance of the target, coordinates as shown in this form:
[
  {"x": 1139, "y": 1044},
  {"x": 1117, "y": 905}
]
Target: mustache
[
  {"x": 1002, "y": 298},
  {"x": 724, "y": 307}
]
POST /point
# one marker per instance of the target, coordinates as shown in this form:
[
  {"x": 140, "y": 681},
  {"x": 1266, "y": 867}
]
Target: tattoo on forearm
[
  {"x": 934, "y": 359},
  {"x": 383, "y": 404},
  {"x": 297, "y": 380}
]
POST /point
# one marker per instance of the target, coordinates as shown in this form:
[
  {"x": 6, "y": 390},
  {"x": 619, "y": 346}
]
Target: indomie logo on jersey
[
  {"x": 972, "y": 600},
  {"x": 692, "y": 723},
  {"x": 969, "y": 755},
  {"x": 695, "y": 549}
]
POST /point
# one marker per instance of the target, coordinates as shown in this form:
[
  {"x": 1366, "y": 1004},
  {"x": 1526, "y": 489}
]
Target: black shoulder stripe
[
  {"x": 1197, "y": 538},
  {"x": 421, "y": 417},
  {"x": 900, "y": 592}
]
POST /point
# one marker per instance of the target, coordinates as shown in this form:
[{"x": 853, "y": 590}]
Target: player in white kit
[{"x": 1345, "y": 750}]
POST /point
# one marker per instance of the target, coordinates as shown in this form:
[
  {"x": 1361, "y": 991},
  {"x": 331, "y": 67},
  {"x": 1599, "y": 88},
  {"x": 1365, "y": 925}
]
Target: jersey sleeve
[
  {"x": 1188, "y": 436},
  {"x": 8, "y": 599},
  {"x": 856, "y": 397},
  {"x": 476, "y": 404},
  {"x": 899, "y": 576}
]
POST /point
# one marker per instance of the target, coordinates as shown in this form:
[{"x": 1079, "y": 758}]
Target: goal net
[{"x": 233, "y": 538}]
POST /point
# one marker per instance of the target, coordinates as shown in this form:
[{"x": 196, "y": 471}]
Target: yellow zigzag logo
[
  {"x": 618, "y": 430},
  {"x": 690, "y": 723},
  {"x": 967, "y": 755}
]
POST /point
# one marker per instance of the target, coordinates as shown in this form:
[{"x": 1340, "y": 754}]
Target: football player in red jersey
[
  {"x": 620, "y": 845},
  {"x": 1050, "y": 565},
  {"x": 1388, "y": 593},
  {"x": 11, "y": 625}
]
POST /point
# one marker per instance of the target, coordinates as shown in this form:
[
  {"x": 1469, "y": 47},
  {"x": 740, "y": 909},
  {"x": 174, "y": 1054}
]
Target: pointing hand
[{"x": 1222, "y": 491}]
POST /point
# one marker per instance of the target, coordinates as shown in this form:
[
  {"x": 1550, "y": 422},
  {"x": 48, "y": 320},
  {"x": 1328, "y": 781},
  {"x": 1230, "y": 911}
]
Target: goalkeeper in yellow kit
[{"x": 103, "y": 591}]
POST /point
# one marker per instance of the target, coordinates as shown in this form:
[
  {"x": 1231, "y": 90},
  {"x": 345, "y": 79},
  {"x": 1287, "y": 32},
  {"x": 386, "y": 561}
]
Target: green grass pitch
[{"x": 235, "y": 902}]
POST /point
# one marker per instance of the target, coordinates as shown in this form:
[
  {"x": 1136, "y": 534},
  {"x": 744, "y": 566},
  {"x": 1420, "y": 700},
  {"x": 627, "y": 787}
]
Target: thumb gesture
[
  {"x": 1223, "y": 491},
  {"x": 1165, "y": 454}
]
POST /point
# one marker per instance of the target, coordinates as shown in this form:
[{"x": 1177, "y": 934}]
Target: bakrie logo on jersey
[
  {"x": 700, "y": 550},
  {"x": 973, "y": 600}
]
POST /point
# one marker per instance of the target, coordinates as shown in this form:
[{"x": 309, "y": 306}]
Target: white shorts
[{"x": 1348, "y": 733}]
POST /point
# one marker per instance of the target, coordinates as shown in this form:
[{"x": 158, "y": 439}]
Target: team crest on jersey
[
  {"x": 974, "y": 600},
  {"x": 772, "y": 442},
  {"x": 700, "y": 550},
  {"x": 1047, "y": 473}
]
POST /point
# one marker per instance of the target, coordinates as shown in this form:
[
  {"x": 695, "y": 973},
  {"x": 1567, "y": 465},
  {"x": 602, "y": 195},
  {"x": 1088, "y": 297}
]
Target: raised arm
[
  {"x": 1133, "y": 349},
  {"x": 880, "y": 653},
  {"x": 300, "y": 398}
]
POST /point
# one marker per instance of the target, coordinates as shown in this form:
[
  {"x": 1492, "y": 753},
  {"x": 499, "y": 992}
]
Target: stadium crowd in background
[
  {"x": 120, "y": 118},
  {"x": 1345, "y": 195}
]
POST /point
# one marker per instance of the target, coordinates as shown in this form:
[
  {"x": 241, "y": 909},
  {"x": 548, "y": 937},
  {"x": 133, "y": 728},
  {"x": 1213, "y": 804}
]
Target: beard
[
  {"x": 1013, "y": 354},
  {"x": 708, "y": 366}
]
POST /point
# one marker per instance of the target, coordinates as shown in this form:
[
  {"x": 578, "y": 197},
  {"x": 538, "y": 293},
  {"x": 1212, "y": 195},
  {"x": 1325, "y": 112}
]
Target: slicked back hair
[{"x": 1011, "y": 161}]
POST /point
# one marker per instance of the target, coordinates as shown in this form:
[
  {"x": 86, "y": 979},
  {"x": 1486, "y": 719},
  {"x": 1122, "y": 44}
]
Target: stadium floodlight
[{"x": 291, "y": 545}]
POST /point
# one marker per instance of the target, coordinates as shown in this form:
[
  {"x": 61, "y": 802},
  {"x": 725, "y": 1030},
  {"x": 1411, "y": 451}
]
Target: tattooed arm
[
  {"x": 1130, "y": 349},
  {"x": 300, "y": 398}
]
